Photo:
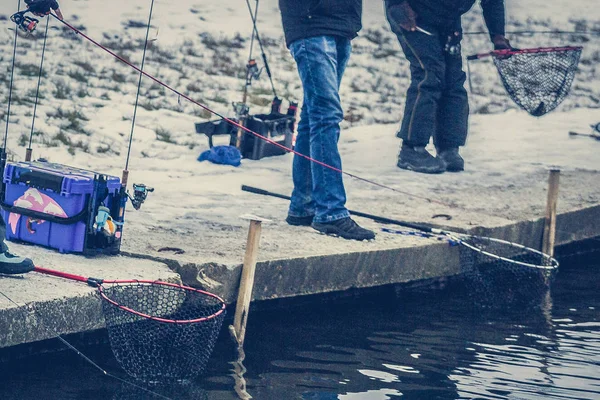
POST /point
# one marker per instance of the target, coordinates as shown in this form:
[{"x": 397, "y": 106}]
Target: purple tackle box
[{"x": 53, "y": 205}]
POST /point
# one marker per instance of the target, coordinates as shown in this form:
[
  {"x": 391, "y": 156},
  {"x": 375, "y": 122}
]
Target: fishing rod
[
  {"x": 254, "y": 16},
  {"x": 140, "y": 190},
  {"x": 29, "y": 151},
  {"x": 253, "y": 72},
  {"x": 545, "y": 32},
  {"x": 10, "y": 90}
]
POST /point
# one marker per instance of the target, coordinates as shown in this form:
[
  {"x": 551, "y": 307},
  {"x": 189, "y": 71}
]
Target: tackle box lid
[{"x": 59, "y": 178}]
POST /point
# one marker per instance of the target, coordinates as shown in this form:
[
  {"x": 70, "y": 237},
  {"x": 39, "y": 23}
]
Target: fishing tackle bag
[{"x": 69, "y": 209}]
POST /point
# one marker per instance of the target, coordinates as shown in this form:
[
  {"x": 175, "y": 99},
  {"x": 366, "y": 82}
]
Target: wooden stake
[
  {"x": 549, "y": 238},
  {"x": 238, "y": 330}
]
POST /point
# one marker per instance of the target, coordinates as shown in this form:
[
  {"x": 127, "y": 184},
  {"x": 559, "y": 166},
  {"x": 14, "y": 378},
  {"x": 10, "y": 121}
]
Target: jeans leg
[
  {"x": 453, "y": 109},
  {"x": 302, "y": 203},
  {"x": 318, "y": 60}
]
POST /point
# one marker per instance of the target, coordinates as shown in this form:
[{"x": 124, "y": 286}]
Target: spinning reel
[
  {"x": 25, "y": 23},
  {"x": 140, "y": 192},
  {"x": 253, "y": 71}
]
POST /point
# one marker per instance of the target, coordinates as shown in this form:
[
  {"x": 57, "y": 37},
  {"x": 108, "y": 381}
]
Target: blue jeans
[{"x": 318, "y": 190}]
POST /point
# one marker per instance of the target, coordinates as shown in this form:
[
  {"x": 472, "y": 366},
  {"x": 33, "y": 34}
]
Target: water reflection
[
  {"x": 431, "y": 345},
  {"x": 412, "y": 344}
]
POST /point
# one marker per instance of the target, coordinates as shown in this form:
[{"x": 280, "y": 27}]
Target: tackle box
[
  {"x": 56, "y": 206},
  {"x": 276, "y": 127}
]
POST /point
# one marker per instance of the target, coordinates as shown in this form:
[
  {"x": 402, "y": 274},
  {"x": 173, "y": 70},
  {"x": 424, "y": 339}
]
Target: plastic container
[{"x": 54, "y": 205}]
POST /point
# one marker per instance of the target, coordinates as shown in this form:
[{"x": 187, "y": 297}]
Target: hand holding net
[{"x": 539, "y": 79}]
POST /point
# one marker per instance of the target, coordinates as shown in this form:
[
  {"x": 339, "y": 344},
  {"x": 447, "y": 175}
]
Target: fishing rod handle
[
  {"x": 252, "y": 189},
  {"x": 375, "y": 218}
]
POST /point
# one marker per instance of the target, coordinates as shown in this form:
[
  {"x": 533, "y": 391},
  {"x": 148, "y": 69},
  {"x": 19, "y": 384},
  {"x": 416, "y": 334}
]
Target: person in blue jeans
[{"x": 318, "y": 34}]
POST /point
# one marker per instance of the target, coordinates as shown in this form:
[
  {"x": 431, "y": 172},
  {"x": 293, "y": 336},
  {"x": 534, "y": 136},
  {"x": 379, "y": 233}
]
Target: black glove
[
  {"x": 41, "y": 6},
  {"x": 403, "y": 15}
]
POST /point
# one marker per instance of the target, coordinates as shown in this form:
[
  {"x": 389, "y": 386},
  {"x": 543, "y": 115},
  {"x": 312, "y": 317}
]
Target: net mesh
[
  {"x": 538, "y": 80},
  {"x": 157, "y": 351},
  {"x": 498, "y": 273}
]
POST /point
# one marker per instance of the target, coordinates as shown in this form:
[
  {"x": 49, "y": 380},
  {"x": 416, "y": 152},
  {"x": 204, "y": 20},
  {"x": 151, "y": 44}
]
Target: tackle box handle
[{"x": 46, "y": 217}]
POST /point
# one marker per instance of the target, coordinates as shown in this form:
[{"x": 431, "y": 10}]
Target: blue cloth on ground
[{"x": 227, "y": 155}]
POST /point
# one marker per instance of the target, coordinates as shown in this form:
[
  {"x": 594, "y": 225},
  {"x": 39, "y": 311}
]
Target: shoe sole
[
  {"x": 297, "y": 223},
  {"x": 334, "y": 232},
  {"x": 421, "y": 170}
]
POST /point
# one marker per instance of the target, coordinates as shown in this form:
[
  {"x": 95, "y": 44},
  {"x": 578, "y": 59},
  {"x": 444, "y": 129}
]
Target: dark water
[{"x": 426, "y": 343}]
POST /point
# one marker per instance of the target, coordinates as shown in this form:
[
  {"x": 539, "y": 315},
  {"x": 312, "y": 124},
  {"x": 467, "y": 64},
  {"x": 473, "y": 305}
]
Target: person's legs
[
  {"x": 427, "y": 66},
  {"x": 9, "y": 263},
  {"x": 302, "y": 205},
  {"x": 321, "y": 62},
  {"x": 3, "y": 247},
  {"x": 453, "y": 115},
  {"x": 317, "y": 60}
]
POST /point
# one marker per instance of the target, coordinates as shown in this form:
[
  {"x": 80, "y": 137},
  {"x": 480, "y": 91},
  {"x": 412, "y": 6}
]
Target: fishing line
[
  {"x": 37, "y": 94},
  {"x": 86, "y": 358},
  {"x": 236, "y": 124}
]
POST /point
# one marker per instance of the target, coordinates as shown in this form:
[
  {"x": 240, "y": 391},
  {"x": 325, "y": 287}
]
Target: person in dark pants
[
  {"x": 318, "y": 34},
  {"x": 437, "y": 107},
  {"x": 9, "y": 263}
]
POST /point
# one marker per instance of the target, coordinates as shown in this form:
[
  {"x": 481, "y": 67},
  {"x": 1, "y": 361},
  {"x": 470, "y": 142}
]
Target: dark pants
[
  {"x": 3, "y": 247},
  {"x": 436, "y": 101}
]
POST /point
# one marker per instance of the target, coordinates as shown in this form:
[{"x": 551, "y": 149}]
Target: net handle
[
  {"x": 90, "y": 281},
  {"x": 511, "y": 52}
]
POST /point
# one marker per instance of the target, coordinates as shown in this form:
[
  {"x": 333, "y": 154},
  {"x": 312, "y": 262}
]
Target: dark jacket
[
  {"x": 446, "y": 13},
  {"x": 308, "y": 18}
]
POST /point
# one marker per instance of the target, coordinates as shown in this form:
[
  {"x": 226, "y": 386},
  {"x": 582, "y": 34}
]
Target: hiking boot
[
  {"x": 454, "y": 162},
  {"x": 299, "y": 221},
  {"x": 345, "y": 228},
  {"x": 11, "y": 264},
  {"x": 418, "y": 159}
]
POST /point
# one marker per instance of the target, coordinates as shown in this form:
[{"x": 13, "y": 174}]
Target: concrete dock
[{"x": 501, "y": 194}]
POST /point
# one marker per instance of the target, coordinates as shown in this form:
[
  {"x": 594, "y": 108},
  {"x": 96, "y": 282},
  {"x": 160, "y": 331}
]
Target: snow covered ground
[{"x": 201, "y": 47}]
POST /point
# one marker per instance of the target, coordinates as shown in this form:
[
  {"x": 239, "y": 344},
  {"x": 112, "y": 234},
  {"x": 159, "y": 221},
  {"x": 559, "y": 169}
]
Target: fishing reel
[
  {"x": 253, "y": 72},
  {"x": 241, "y": 109},
  {"x": 24, "y": 22},
  {"x": 140, "y": 192}
]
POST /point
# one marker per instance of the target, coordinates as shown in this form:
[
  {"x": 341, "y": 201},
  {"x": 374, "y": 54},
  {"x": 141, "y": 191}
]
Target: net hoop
[
  {"x": 511, "y": 52},
  {"x": 158, "y": 319},
  {"x": 553, "y": 262}
]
